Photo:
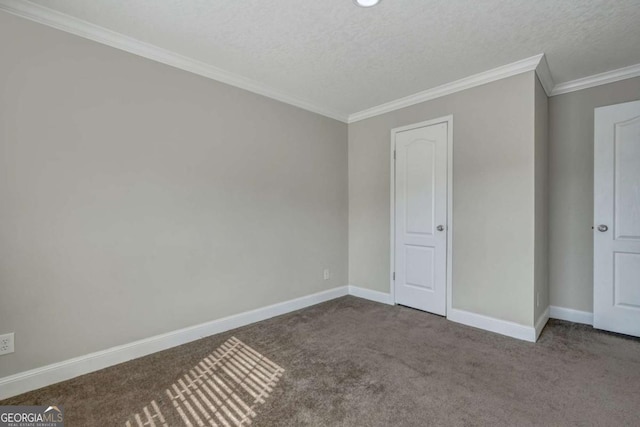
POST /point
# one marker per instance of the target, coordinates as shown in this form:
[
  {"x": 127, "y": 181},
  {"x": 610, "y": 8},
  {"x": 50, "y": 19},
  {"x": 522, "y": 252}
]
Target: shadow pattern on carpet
[{"x": 223, "y": 389}]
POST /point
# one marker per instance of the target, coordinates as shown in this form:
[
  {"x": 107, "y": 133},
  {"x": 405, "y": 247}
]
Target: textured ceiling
[{"x": 333, "y": 54}]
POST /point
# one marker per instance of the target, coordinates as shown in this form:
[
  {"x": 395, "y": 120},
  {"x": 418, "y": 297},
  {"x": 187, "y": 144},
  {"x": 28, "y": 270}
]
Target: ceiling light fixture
[{"x": 366, "y": 3}]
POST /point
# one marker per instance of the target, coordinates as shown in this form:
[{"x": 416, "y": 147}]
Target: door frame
[{"x": 392, "y": 163}]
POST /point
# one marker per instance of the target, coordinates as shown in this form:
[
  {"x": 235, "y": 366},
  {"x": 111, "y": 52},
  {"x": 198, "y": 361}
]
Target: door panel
[
  {"x": 616, "y": 298},
  {"x": 418, "y": 180},
  {"x": 419, "y": 266},
  {"x": 420, "y": 207},
  {"x": 625, "y": 280},
  {"x": 627, "y": 194}
]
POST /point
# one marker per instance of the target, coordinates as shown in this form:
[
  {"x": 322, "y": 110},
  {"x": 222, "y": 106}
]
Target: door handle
[
  {"x": 440, "y": 228},
  {"x": 602, "y": 228}
]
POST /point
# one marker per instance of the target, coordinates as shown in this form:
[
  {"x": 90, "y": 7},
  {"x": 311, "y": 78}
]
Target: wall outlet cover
[{"x": 6, "y": 343}]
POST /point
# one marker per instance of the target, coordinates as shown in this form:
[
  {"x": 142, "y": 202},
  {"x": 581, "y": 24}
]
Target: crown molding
[
  {"x": 518, "y": 67},
  {"x": 597, "y": 80},
  {"x": 87, "y": 30},
  {"x": 544, "y": 75}
]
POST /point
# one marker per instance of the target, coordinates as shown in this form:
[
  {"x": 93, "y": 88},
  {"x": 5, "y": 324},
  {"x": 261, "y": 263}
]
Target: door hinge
[
  {"x": 394, "y": 154},
  {"x": 394, "y": 275}
]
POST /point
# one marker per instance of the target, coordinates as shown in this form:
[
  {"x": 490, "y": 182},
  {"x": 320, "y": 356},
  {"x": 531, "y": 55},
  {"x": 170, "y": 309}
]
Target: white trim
[
  {"x": 518, "y": 67},
  {"x": 371, "y": 295},
  {"x": 392, "y": 216},
  {"x": 79, "y": 27},
  {"x": 450, "y": 214},
  {"x": 542, "y": 321},
  {"x": 51, "y": 374},
  {"x": 392, "y": 199},
  {"x": 571, "y": 315},
  {"x": 538, "y": 63},
  {"x": 597, "y": 80},
  {"x": 503, "y": 327},
  {"x": 544, "y": 75}
]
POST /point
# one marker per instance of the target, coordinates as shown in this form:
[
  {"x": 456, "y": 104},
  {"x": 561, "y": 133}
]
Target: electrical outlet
[
  {"x": 6, "y": 343},
  {"x": 327, "y": 274}
]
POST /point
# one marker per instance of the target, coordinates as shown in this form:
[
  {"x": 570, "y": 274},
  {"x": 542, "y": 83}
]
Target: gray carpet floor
[{"x": 352, "y": 362}]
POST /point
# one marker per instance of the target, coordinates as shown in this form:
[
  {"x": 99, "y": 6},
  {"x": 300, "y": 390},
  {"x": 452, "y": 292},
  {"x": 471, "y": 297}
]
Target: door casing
[{"x": 449, "y": 120}]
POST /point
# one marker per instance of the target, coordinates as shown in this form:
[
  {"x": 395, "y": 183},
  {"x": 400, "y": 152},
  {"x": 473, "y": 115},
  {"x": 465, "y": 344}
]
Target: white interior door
[
  {"x": 616, "y": 296},
  {"x": 420, "y": 217}
]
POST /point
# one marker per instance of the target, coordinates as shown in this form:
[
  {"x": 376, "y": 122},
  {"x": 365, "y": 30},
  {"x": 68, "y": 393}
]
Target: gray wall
[
  {"x": 493, "y": 196},
  {"x": 541, "y": 296},
  {"x": 137, "y": 199},
  {"x": 571, "y": 196}
]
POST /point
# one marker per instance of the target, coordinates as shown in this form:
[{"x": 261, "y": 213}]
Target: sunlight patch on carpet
[
  {"x": 149, "y": 417},
  {"x": 223, "y": 389}
]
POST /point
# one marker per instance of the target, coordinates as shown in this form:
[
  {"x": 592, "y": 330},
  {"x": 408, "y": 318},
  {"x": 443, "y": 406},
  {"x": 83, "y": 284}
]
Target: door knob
[
  {"x": 440, "y": 228},
  {"x": 602, "y": 228}
]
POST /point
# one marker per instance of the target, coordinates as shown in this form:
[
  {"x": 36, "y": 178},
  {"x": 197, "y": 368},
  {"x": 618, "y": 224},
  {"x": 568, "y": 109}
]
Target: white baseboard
[
  {"x": 510, "y": 329},
  {"x": 571, "y": 315},
  {"x": 376, "y": 296},
  {"x": 541, "y": 322},
  {"x": 491, "y": 324},
  {"x": 51, "y": 374}
]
